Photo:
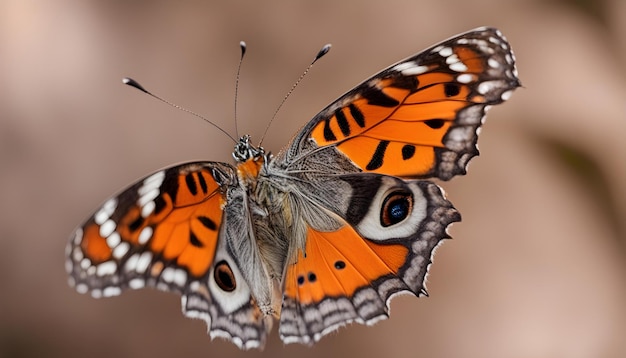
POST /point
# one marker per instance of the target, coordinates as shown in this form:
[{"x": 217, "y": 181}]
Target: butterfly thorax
[
  {"x": 264, "y": 204},
  {"x": 271, "y": 201},
  {"x": 248, "y": 171}
]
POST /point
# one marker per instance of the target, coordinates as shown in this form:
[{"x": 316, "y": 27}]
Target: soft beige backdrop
[{"x": 536, "y": 269}]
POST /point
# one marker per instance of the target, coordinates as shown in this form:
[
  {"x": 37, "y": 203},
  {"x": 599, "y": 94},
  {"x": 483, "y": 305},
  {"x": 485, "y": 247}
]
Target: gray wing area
[
  {"x": 422, "y": 216},
  {"x": 224, "y": 300}
]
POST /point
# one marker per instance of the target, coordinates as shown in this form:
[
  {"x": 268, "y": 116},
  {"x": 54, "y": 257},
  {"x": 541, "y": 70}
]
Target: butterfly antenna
[
  {"x": 323, "y": 51},
  {"x": 129, "y": 81},
  {"x": 242, "y": 45}
]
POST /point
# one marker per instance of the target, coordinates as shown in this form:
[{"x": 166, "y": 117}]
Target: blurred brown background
[{"x": 537, "y": 267}]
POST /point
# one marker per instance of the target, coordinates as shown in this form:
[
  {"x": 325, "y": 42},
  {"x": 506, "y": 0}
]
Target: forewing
[
  {"x": 418, "y": 118},
  {"x": 166, "y": 232}
]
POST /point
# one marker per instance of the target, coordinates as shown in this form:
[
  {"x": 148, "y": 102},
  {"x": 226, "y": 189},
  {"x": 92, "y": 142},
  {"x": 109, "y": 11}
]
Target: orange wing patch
[
  {"x": 398, "y": 135},
  {"x": 401, "y": 122},
  {"x": 184, "y": 225},
  {"x": 189, "y": 235},
  {"x": 169, "y": 218},
  {"x": 336, "y": 264},
  {"x": 94, "y": 245}
]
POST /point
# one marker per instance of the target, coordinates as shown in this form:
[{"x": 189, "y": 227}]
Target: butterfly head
[
  {"x": 244, "y": 150},
  {"x": 249, "y": 159}
]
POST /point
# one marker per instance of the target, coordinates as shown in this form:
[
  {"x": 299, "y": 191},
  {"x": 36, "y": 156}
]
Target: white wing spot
[
  {"x": 488, "y": 86},
  {"x": 110, "y": 205},
  {"x": 82, "y": 288},
  {"x": 113, "y": 239},
  {"x": 459, "y": 135},
  {"x": 106, "y": 268},
  {"x": 484, "y": 46},
  {"x": 176, "y": 276},
  {"x": 180, "y": 277},
  {"x": 107, "y": 228},
  {"x": 131, "y": 263},
  {"x": 85, "y": 263},
  {"x": 111, "y": 291},
  {"x": 148, "y": 209},
  {"x": 152, "y": 182},
  {"x": 145, "y": 235},
  {"x": 143, "y": 262},
  {"x": 465, "y": 78},
  {"x": 452, "y": 59},
  {"x": 493, "y": 63},
  {"x": 458, "y": 67},
  {"x": 445, "y": 52},
  {"x": 77, "y": 254},
  {"x": 509, "y": 59},
  {"x": 416, "y": 70},
  {"x": 506, "y": 95},
  {"x": 96, "y": 293},
  {"x": 149, "y": 191},
  {"x": 78, "y": 236},
  {"x": 167, "y": 275},
  {"x": 148, "y": 196},
  {"x": 437, "y": 49},
  {"x": 121, "y": 250},
  {"x": 494, "y": 40},
  {"x": 105, "y": 211},
  {"x": 136, "y": 283},
  {"x": 410, "y": 68},
  {"x": 418, "y": 246},
  {"x": 403, "y": 66},
  {"x": 101, "y": 216}
]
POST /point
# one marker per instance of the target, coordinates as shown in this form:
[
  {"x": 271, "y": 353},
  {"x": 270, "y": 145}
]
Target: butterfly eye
[
  {"x": 396, "y": 207},
  {"x": 224, "y": 277}
]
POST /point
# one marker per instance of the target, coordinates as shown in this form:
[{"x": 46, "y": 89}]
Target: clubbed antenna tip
[
  {"x": 129, "y": 81},
  {"x": 323, "y": 51}
]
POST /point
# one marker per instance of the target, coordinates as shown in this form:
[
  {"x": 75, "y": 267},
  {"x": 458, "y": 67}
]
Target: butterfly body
[{"x": 325, "y": 232}]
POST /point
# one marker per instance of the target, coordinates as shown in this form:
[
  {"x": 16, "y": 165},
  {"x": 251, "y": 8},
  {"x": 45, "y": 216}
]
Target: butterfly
[{"x": 325, "y": 232}]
